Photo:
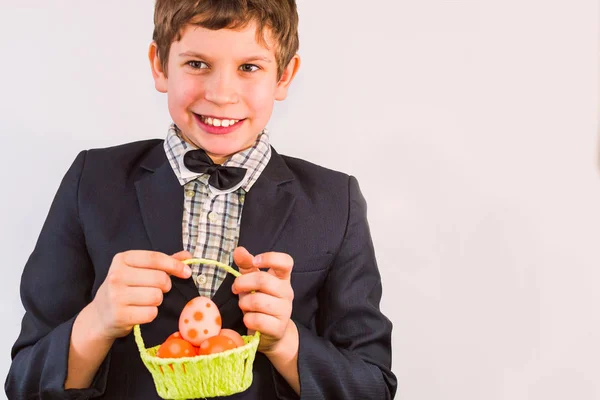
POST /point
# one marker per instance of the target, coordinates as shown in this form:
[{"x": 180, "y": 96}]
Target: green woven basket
[{"x": 220, "y": 374}]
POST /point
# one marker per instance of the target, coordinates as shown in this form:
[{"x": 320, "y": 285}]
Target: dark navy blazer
[{"x": 127, "y": 197}]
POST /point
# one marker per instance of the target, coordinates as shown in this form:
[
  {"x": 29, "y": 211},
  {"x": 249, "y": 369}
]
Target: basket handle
[
  {"x": 137, "y": 334},
  {"x": 212, "y": 262}
]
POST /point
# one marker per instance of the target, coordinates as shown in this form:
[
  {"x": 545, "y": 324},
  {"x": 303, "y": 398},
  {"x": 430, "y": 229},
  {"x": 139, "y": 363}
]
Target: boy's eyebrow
[
  {"x": 258, "y": 58},
  {"x": 198, "y": 55},
  {"x": 191, "y": 54}
]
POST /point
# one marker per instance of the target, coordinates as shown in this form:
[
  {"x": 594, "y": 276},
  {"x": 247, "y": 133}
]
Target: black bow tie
[{"x": 222, "y": 178}]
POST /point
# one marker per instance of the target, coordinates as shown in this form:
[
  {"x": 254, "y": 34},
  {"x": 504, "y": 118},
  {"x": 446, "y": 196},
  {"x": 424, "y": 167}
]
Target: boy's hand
[
  {"x": 269, "y": 309},
  {"x": 133, "y": 289}
]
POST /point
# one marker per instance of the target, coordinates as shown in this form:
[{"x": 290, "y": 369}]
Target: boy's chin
[
  {"x": 223, "y": 151},
  {"x": 220, "y": 146}
]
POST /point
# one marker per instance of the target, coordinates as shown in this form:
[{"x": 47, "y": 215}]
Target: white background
[{"x": 471, "y": 126}]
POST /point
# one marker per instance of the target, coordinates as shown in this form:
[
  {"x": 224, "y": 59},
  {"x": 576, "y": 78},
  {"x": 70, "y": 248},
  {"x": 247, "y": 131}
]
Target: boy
[{"x": 216, "y": 189}]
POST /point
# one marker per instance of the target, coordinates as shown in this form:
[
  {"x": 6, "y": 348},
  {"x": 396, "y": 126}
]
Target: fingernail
[
  {"x": 256, "y": 261},
  {"x": 187, "y": 271}
]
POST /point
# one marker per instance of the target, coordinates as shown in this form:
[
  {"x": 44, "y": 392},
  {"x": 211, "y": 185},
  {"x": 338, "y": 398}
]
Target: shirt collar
[{"x": 254, "y": 159}]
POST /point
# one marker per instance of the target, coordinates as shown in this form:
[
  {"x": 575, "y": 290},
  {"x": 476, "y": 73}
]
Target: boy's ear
[
  {"x": 286, "y": 78},
  {"x": 160, "y": 78}
]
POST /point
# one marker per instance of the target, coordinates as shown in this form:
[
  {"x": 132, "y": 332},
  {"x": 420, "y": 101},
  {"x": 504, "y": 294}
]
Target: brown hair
[{"x": 280, "y": 16}]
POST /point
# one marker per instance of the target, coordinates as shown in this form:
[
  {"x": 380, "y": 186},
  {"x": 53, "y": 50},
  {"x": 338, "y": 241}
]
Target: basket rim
[{"x": 253, "y": 342}]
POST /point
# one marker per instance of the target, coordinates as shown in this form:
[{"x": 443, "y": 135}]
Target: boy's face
[{"x": 221, "y": 87}]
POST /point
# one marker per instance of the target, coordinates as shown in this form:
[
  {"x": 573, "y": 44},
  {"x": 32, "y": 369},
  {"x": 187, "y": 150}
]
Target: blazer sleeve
[
  {"x": 349, "y": 357},
  {"x": 55, "y": 286}
]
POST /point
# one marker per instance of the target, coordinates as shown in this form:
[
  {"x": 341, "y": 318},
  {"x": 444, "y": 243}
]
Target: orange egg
[
  {"x": 216, "y": 344},
  {"x": 175, "y": 335},
  {"x": 233, "y": 335},
  {"x": 176, "y": 348}
]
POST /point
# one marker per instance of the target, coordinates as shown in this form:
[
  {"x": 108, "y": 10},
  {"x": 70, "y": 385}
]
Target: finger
[
  {"x": 280, "y": 264},
  {"x": 262, "y": 282},
  {"x": 142, "y": 296},
  {"x": 266, "y": 304},
  {"x": 147, "y": 278},
  {"x": 265, "y": 324},
  {"x": 183, "y": 255},
  {"x": 156, "y": 260},
  {"x": 244, "y": 260},
  {"x": 133, "y": 315}
]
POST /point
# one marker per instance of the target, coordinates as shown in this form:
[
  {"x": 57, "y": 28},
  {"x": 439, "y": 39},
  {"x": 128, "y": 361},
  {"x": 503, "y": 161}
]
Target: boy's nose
[{"x": 220, "y": 89}]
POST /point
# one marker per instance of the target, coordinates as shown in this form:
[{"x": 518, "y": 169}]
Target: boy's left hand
[{"x": 269, "y": 309}]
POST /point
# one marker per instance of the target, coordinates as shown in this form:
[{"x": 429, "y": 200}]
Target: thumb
[
  {"x": 244, "y": 260},
  {"x": 182, "y": 255}
]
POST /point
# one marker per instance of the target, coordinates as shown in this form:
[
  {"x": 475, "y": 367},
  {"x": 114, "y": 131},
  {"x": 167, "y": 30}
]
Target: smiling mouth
[{"x": 224, "y": 122}]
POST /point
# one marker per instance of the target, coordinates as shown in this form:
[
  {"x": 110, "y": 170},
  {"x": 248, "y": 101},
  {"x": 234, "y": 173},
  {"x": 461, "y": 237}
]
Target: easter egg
[
  {"x": 175, "y": 335},
  {"x": 233, "y": 335},
  {"x": 216, "y": 344},
  {"x": 176, "y": 348},
  {"x": 199, "y": 320}
]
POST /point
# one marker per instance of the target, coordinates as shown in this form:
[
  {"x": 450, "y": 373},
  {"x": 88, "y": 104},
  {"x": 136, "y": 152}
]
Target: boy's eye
[
  {"x": 197, "y": 64},
  {"x": 249, "y": 68}
]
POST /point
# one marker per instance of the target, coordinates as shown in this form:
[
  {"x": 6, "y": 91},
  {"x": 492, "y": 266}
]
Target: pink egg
[{"x": 199, "y": 320}]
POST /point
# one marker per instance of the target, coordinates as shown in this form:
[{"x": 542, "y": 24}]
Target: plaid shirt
[{"x": 211, "y": 218}]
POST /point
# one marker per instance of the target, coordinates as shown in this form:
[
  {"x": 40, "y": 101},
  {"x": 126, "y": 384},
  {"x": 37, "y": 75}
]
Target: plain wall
[{"x": 471, "y": 126}]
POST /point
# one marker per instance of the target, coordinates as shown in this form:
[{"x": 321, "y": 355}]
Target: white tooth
[
  {"x": 209, "y": 121},
  {"x": 232, "y": 121},
  {"x": 225, "y": 123},
  {"x": 216, "y": 122}
]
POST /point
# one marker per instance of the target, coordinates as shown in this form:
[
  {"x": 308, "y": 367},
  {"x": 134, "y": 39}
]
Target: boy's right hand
[{"x": 133, "y": 289}]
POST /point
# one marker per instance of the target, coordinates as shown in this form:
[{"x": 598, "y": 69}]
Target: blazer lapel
[
  {"x": 266, "y": 209},
  {"x": 161, "y": 203}
]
